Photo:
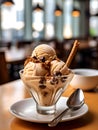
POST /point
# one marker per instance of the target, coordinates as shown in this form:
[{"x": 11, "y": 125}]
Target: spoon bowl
[
  {"x": 76, "y": 99},
  {"x": 74, "y": 102}
]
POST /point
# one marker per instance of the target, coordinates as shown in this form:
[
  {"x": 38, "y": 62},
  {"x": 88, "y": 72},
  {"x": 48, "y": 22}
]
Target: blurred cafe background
[{"x": 26, "y": 23}]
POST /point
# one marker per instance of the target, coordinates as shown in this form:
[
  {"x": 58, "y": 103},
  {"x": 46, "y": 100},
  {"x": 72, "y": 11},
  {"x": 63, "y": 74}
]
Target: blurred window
[
  {"x": 12, "y": 21},
  {"x": 93, "y": 7},
  {"x": 67, "y": 31},
  {"x": 93, "y": 23},
  {"x": 45, "y": 24},
  {"x": 93, "y": 26},
  {"x": 49, "y": 19},
  {"x": 37, "y": 19}
]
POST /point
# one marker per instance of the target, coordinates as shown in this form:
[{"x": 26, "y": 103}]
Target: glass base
[{"x": 46, "y": 110}]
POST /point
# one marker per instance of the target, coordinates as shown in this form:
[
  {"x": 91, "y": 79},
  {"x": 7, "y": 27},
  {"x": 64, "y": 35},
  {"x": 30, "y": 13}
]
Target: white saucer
[{"x": 26, "y": 110}]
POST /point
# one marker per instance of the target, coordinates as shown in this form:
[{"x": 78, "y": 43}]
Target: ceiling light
[
  {"x": 75, "y": 12},
  {"x": 38, "y": 7},
  {"x": 58, "y": 11},
  {"x": 6, "y": 2}
]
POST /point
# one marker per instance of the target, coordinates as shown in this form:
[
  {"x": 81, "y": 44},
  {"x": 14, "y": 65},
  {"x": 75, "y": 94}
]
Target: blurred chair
[
  {"x": 21, "y": 44},
  {"x": 89, "y": 57},
  {"x": 9, "y": 44},
  {"x": 94, "y": 56},
  {"x": 3, "y": 68}
]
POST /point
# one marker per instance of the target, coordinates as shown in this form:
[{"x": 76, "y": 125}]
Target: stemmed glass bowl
[{"x": 46, "y": 90}]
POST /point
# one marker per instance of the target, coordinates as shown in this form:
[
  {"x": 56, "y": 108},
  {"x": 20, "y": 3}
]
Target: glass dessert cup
[{"x": 46, "y": 90}]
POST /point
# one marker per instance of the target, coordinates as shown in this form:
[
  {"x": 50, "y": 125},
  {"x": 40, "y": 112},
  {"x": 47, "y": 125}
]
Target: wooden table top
[{"x": 15, "y": 91}]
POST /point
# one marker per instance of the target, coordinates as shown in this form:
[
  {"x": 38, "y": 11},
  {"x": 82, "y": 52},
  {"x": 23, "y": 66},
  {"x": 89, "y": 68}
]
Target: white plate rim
[{"x": 79, "y": 113}]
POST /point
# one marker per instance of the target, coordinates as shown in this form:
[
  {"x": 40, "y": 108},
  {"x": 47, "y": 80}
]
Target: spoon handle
[{"x": 58, "y": 118}]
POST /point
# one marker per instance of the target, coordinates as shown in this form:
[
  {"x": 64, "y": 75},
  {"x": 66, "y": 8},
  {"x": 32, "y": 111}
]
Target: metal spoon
[{"x": 74, "y": 102}]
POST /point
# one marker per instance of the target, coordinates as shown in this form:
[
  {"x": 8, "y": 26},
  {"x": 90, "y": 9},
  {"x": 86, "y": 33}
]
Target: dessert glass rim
[{"x": 47, "y": 76}]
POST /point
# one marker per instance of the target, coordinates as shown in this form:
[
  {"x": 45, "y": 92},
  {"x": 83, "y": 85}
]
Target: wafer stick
[{"x": 72, "y": 53}]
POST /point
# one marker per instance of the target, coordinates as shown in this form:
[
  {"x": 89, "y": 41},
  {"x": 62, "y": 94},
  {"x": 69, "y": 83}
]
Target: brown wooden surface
[
  {"x": 14, "y": 91},
  {"x": 4, "y": 75}
]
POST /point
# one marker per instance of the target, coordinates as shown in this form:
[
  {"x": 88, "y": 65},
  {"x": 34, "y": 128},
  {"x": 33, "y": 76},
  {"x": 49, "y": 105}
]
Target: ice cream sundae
[{"x": 46, "y": 77}]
